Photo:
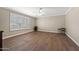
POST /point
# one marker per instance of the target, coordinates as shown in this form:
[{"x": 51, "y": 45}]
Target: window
[{"x": 19, "y": 22}]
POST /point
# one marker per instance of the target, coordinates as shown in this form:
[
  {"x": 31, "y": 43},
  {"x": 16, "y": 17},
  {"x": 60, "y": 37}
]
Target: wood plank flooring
[{"x": 40, "y": 41}]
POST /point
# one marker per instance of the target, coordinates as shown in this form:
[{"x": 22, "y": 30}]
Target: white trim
[
  {"x": 72, "y": 39},
  {"x": 16, "y": 34},
  {"x": 48, "y": 31},
  {"x": 68, "y": 11}
]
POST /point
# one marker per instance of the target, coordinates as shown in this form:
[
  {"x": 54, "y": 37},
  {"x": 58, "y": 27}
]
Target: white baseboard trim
[
  {"x": 16, "y": 34},
  {"x": 49, "y": 31},
  {"x": 72, "y": 39}
]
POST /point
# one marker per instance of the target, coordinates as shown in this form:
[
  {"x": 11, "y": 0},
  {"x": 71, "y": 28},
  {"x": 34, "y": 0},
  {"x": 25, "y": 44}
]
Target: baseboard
[
  {"x": 72, "y": 39},
  {"x": 49, "y": 31},
  {"x": 16, "y": 34}
]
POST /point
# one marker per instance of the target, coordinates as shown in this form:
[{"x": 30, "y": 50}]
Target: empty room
[{"x": 39, "y": 29}]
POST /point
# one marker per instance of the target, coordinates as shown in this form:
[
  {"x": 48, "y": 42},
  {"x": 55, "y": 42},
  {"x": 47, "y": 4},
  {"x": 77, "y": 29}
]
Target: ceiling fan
[{"x": 40, "y": 13}]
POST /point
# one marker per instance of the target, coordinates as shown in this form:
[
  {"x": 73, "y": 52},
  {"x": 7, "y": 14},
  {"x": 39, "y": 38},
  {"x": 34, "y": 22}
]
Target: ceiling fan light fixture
[{"x": 40, "y": 11}]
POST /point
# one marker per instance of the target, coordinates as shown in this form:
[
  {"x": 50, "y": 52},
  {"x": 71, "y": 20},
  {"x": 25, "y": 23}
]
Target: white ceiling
[{"x": 46, "y": 11}]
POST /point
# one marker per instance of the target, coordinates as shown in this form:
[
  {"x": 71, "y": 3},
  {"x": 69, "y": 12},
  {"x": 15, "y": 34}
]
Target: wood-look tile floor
[{"x": 40, "y": 41}]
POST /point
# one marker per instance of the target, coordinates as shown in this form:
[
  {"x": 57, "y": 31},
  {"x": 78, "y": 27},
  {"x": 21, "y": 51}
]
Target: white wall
[
  {"x": 5, "y": 24},
  {"x": 50, "y": 24},
  {"x": 72, "y": 24}
]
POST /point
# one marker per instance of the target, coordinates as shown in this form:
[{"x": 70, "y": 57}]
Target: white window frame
[{"x": 24, "y": 23}]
